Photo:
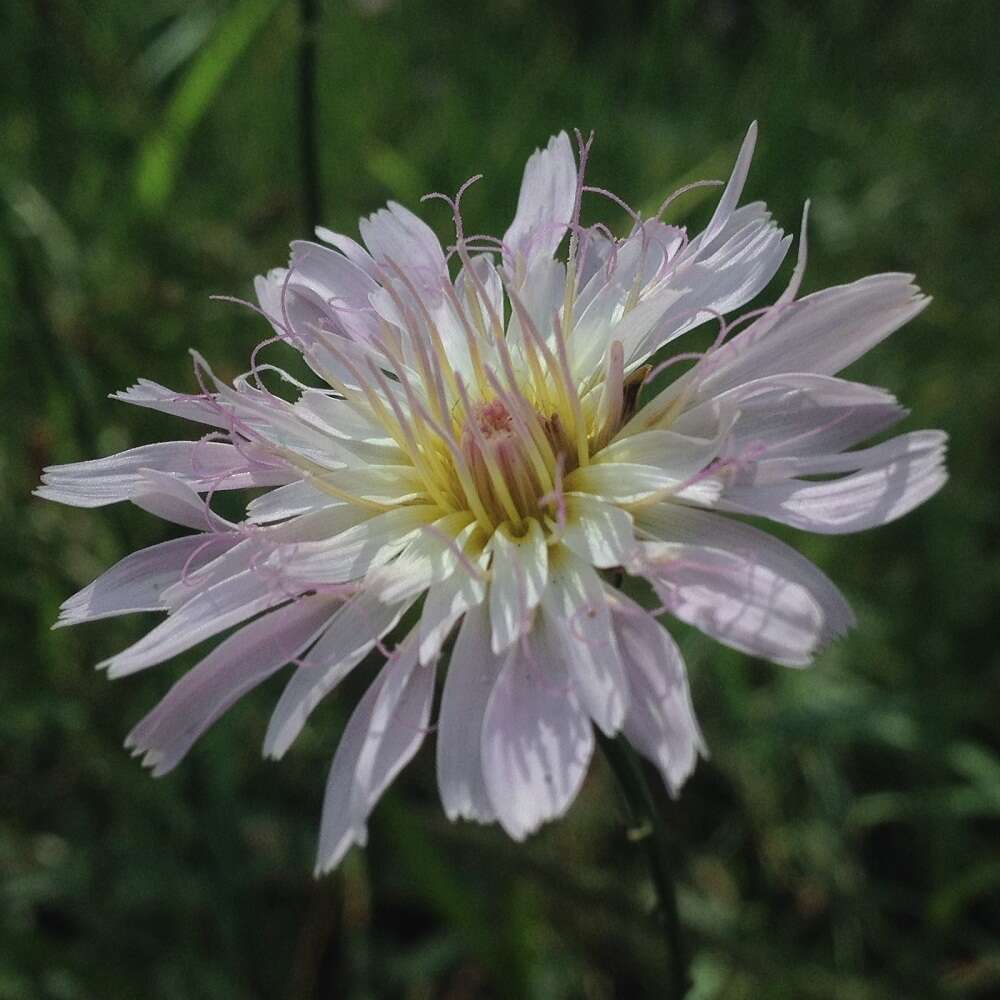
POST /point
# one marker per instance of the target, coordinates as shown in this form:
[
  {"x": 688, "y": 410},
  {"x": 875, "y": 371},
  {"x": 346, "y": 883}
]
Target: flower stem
[
  {"x": 308, "y": 138},
  {"x": 648, "y": 829}
]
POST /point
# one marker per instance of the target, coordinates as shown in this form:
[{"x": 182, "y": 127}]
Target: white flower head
[{"x": 482, "y": 453}]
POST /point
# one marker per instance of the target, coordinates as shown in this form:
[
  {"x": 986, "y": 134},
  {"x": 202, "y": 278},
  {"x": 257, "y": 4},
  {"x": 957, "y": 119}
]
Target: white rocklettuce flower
[{"x": 482, "y": 455}]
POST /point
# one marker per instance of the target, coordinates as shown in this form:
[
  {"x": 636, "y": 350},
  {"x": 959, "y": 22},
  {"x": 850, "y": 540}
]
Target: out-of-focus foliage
[{"x": 841, "y": 842}]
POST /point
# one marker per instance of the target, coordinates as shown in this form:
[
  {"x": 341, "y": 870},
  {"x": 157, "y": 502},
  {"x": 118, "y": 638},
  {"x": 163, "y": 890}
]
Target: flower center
[{"x": 501, "y": 464}]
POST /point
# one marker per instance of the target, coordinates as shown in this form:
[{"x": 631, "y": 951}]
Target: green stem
[{"x": 648, "y": 829}]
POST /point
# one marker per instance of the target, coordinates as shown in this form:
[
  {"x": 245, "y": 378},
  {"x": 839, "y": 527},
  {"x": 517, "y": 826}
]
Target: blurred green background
[{"x": 843, "y": 840}]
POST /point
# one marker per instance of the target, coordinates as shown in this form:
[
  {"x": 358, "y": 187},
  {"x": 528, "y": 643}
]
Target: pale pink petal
[
  {"x": 261, "y": 550},
  {"x": 394, "y": 235},
  {"x": 660, "y": 723},
  {"x": 343, "y": 288},
  {"x": 350, "y": 637},
  {"x": 138, "y": 581},
  {"x": 795, "y": 414},
  {"x": 399, "y": 723},
  {"x": 169, "y": 497},
  {"x": 153, "y": 396},
  {"x": 537, "y": 740},
  {"x": 351, "y": 249},
  {"x": 740, "y": 269},
  {"x": 575, "y": 611},
  {"x": 445, "y": 603},
  {"x": 671, "y": 522},
  {"x": 331, "y": 274},
  {"x": 743, "y": 599},
  {"x": 385, "y": 731},
  {"x": 338, "y": 832},
  {"x": 545, "y": 203},
  {"x": 865, "y": 499},
  {"x": 203, "y": 465},
  {"x": 233, "y": 668},
  {"x": 822, "y": 333},
  {"x": 206, "y": 614},
  {"x": 731, "y": 195},
  {"x": 472, "y": 672}
]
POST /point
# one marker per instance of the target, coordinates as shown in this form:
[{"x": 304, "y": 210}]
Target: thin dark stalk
[
  {"x": 647, "y": 822},
  {"x": 312, "y": 198}
]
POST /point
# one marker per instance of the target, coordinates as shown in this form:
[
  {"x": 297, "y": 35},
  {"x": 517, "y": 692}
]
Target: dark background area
[{"x": 843, "y": 839}]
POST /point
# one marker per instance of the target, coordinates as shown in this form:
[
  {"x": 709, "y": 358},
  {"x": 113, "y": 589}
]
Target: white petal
[
  {"x": 351, "y": 554},
  {"x": 433, "y": 555},
  {"x": 678, "y": 455},
  {"x": 233, "y": 668},
  {"x": 472, "y": 673},
  {"x": 598, "y": 532},
  {"x": 660, "y": 723},
  {"x": 540, "y": 296},
  {"x": 622, "y": 483},
  {"x": 639, "y": 464},
  {"x": 446, "y": 602},
  {"x": 518, "y": 573},
  {"x": 545, "y": 203},
  {"x": 487, "y": 278},
  {"x": 575, "y": 611},
  {"x": 381, "y": 484},
  {"x": 289, "y": 501},
  {"x": 537, "y": 740}
]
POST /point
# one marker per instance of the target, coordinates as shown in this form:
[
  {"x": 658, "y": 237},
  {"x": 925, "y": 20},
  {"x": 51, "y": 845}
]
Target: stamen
[
  {"x": 614, "y": 393},
  {"x": 470, "y": 334},
  {"x": 486, "y": 452},
  {"x": 670, "y": 199},
  {"x": 531, "y": 429},
  {"x": 435, "y": 334},
  {"x": 572, "y": 395}
]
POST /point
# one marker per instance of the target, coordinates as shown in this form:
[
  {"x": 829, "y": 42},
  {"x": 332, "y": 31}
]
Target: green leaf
[{"x": 161, "y": 153}]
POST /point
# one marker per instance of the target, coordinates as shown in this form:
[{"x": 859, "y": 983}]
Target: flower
[{"x": 483, "y": 454}]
